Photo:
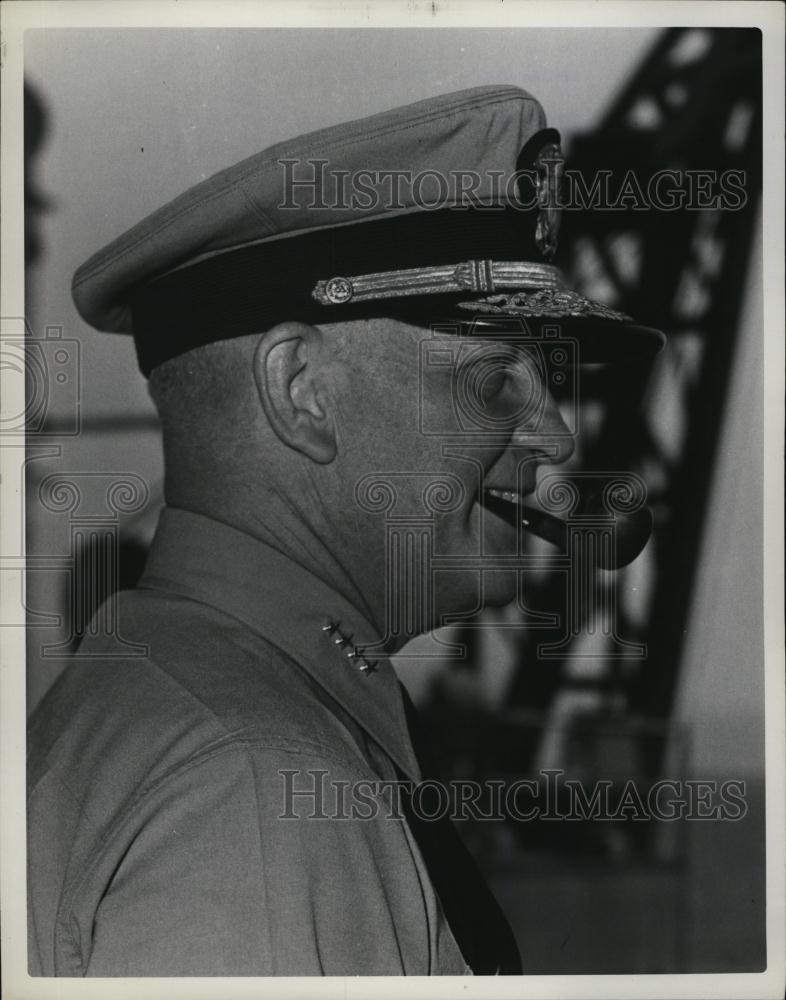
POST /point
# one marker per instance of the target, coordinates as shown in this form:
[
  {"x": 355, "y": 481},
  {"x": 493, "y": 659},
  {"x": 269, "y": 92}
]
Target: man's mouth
[
  {"x": 511, "y": 507},
  {"x": 506, "y": 504}
]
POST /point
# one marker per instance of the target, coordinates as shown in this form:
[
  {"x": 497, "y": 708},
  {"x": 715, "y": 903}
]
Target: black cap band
[{"x": 251, "y": 288}]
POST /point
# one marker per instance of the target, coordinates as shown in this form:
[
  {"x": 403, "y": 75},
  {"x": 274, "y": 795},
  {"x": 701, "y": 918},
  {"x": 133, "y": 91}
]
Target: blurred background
[{"x": 119, "y": 122}]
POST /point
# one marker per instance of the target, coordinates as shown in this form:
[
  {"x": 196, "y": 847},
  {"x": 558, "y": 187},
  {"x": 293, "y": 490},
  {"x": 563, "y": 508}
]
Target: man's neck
[{"x": 278, "y": 524}]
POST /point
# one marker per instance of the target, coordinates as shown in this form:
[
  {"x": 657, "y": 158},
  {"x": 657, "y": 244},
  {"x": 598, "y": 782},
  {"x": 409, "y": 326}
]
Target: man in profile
[{"x": 307, "y": 330}]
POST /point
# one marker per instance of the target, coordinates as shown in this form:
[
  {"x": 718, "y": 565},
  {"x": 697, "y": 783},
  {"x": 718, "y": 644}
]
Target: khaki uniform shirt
[{"x": 162, "y": 838}]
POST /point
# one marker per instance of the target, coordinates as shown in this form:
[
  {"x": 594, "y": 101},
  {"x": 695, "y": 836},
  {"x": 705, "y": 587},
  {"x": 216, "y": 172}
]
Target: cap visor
[{"x": 599, "y": 340}]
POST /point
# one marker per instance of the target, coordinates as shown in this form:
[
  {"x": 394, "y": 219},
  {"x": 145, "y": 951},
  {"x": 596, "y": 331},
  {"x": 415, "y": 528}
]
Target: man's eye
[
  {"x": 493, "y": 382},
  {"x": 491, "y": 376}
]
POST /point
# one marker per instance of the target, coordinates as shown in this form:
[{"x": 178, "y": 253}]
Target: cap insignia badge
[{"x": 548, "y": 180}]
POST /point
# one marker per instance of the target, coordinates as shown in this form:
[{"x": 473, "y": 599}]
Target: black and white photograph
[{"x": 392, "y": 532}]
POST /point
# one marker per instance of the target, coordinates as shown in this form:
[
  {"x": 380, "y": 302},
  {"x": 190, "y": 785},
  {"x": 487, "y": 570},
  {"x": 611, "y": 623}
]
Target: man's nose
[{"x": 545, "y": 430}]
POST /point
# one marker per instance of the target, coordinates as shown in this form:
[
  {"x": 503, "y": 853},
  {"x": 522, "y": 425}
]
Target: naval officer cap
[{"x": 443, "y": 210}]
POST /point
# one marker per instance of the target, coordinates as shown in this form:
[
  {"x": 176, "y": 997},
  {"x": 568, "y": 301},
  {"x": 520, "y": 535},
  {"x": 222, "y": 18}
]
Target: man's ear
[{"x": 290, "y": 381}]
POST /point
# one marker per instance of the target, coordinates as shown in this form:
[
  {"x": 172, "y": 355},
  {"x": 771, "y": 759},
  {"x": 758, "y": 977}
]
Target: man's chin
[{"x": 466, "y": 595}]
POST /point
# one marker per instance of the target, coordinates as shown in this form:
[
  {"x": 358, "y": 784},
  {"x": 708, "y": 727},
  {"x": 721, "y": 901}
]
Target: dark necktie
[{"x": 479, "y": 926}]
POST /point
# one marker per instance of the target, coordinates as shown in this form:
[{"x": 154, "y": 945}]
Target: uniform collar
[{"x": 207, "y": 561}]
